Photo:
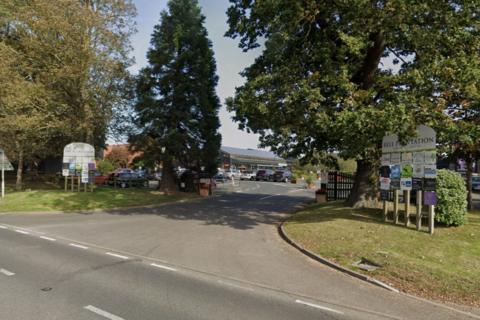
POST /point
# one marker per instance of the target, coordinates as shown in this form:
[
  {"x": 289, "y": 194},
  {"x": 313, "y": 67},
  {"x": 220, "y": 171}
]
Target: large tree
[
  {"x": 177, "y": 107},
  {"x": 338, "y": 75},
  {"x": 67, "y": 63}
]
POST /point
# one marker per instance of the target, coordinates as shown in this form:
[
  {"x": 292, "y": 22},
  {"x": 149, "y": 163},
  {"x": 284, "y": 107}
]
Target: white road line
[
  {"x": 3, "y": 227},
  {"x": 117, "y": 255},
  {"x": 102, "y": 313},
  {"x": 77, "y": 246},
  {"x": 163, "y": 267},
  {"x": 22, "y": 232},
  {"x": 274, "y": 195},
  {"x": 6, "y": 272},
  {"x": 48, "y": 238},
  {"x": 234, "y": 285},
  {"x": 317, "y": 306},
  {"x": 296, "y": 190}
]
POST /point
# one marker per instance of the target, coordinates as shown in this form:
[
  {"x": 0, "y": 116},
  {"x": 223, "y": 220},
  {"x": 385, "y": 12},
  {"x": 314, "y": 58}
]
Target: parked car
[
  {"x": 100, "y": 179},
  {"x": 282, "y": 176},
  {"x": 476, "y": 183},
  {"x": 235, "y": 173},
  {"x": 126, "y": 180},
  {"x": 264, "y": 175},
  {"x": 247, "y": 175},
  {"x": 220, "y": 177}
]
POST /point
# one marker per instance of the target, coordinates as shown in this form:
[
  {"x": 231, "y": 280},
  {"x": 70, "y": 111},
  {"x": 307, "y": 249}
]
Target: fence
[{"x": 339, "y": 185}]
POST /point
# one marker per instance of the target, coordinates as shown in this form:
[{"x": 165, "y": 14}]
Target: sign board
[
  {"x": 4, "y": 162},
  {"x": 426, "y": 139},
  {"x": 411, "y": 163},
  {"x": 77, "y": 155}
]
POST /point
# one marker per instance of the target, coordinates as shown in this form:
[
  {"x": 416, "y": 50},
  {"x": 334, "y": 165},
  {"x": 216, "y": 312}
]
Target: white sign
[
  {"x": 407, "y": 157},
  {"x": 406, "y": 184},
  {"x": 418, "y": 171},
  {"x": 4, "y": 162},
  {"x": 384, "y": 183},
  {"x": 395, "y": 158},
  {"x": 78, "y": 153},
  {"x": 426, "y": 139},
  {"x": 385, "y": 159}
]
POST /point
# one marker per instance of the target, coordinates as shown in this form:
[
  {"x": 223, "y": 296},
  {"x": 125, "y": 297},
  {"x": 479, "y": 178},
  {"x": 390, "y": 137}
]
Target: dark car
[
  {"x": 126, "y": 180},
  {"x": 264, "y": 175},
  {"x": 282, "y": 176}
]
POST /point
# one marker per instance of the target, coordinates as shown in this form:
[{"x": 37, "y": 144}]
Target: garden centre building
[{"x": 250, "y": 159}]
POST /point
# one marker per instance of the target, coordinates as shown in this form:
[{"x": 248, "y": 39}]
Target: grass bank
[
  {"x": 101, "y": 198},
  {"x": 443, "y": 267}
]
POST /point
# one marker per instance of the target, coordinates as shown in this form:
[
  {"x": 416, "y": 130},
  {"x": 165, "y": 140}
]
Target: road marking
[
  {"x": 3, "y": 227},
  {"x": 48, "y": 238},
  {"x": 234, "y": 285},
  {"x": 296, "y": 190},
  {"x": 274, "y": 195},
  {"x": 317, "y": 306},
  {"x": 102, "y": 313},
  {"x": 117, "y": 255},
  {"x": 77, "y": 246},
  {"x": 163, "y": 267},
  {"x": 21, "y": 231},
  {"x": 6, "y": 272}
]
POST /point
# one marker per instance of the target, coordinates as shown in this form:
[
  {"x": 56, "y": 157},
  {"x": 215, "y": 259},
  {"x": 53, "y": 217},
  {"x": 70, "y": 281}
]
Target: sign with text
[
  {"x": 426, "y": 139},
  {"x": 78, "y": 155}
]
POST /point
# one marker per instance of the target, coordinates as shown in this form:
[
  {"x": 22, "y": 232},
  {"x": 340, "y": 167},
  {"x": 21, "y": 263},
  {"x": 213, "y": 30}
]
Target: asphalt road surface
[{"x": 218, "y": 258}]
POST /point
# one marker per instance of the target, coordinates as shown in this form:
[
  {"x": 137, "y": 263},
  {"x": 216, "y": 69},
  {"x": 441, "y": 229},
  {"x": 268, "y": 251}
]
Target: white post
[{"x": 3, "y": 174}]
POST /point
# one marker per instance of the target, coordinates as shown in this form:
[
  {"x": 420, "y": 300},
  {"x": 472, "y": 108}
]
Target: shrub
[
  {"x": 105, "y": 166},
  {"x": 452, "y": 198}
]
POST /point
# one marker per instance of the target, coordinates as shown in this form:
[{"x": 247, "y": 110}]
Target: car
[
  {"x": 282, "y": 176},
  {"x": 264, "y": 175},
  {"x": 126, "y": 179},
  {"x": 476, "y": 183},
  {"x": 235, "y": 173},
  {"x": 247, "y": 175},
  {"x": 220, "y": 177}
]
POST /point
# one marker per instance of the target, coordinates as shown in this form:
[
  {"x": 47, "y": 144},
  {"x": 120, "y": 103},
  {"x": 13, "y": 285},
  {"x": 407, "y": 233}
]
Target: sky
[{"x": 230, "y": 59}]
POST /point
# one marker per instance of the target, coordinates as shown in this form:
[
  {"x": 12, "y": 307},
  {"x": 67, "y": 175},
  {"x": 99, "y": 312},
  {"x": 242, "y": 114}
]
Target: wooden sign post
[{"x": 419, "y": 210}]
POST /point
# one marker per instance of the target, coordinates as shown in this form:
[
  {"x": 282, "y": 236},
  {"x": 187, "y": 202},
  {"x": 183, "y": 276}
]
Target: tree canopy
[
  {"x": 62, "y": 73},
  {"x": 338, "y": 75}
]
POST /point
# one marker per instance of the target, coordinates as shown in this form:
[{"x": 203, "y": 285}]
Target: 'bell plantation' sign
[{"x": 426, "y": 139}]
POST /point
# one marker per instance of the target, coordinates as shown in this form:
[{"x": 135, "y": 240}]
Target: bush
[
  {"x": 105, "y": 167},
  {"x": 452, "y": 198}
]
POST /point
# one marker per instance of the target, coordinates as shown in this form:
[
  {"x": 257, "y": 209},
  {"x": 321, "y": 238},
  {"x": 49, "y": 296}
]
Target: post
[
  {"x": 66, "y": 182},
  {"x": 73, "y": 182},
  {"x": 431, "y": 219},
  {"x": 79, "y": 179},
  {"x": 3, "y": 174},
  {"x": 406, "y": 199},
  {"x": 84, "y": 187},
  {"x": 385, "y": 210},
  {"x": 419, "y": 210},
  {"x": 395, "y": 206}
]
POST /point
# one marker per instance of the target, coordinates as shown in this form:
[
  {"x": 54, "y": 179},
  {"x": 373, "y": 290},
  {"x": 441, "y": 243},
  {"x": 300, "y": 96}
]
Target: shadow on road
[{"x": 239, "y": 211}]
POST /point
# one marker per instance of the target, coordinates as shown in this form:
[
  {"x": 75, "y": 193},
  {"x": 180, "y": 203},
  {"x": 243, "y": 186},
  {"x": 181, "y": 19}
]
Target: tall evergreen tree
[{"x": 177, "y": 106}]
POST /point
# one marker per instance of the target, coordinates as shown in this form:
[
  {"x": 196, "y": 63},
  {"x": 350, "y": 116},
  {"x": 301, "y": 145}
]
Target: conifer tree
[{"x": 177, "y": 106}]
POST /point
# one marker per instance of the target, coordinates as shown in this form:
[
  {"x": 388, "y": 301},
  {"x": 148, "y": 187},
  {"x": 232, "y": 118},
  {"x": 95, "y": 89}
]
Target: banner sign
[{"x": 426, "y": 140}]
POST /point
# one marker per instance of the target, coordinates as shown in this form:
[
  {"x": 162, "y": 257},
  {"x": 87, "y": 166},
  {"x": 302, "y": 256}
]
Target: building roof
[{"x": 251, "y": 153}]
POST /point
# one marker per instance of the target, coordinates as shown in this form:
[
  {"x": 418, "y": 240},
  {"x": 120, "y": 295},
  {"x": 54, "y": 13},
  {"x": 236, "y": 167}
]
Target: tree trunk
[
  {"x": 19, "y": 183},
  {"x": 363, "y": 192},
  {"x": 469, "y": 162},
  {"x": 168, "y": 183}
]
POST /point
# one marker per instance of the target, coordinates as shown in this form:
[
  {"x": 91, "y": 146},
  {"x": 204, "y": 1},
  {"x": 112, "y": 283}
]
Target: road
[{"x": 218, "y": 258}]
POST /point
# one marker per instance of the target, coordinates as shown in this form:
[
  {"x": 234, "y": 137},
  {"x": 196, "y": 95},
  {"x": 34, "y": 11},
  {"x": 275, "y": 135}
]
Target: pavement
[{"x": 217, "y": 258}]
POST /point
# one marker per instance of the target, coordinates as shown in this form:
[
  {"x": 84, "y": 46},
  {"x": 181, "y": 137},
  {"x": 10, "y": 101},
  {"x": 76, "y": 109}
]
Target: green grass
[
  {"x": 444, "y": 266},
  {"x": 102, "y": 198}
]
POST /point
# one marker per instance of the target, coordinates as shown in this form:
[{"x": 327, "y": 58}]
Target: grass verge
[
  {"x": 102, "y": 198},
  {"x": 443, "y": 267}
]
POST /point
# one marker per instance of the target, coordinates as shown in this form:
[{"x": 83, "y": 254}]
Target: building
[{"x": 250, "y": 159}]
